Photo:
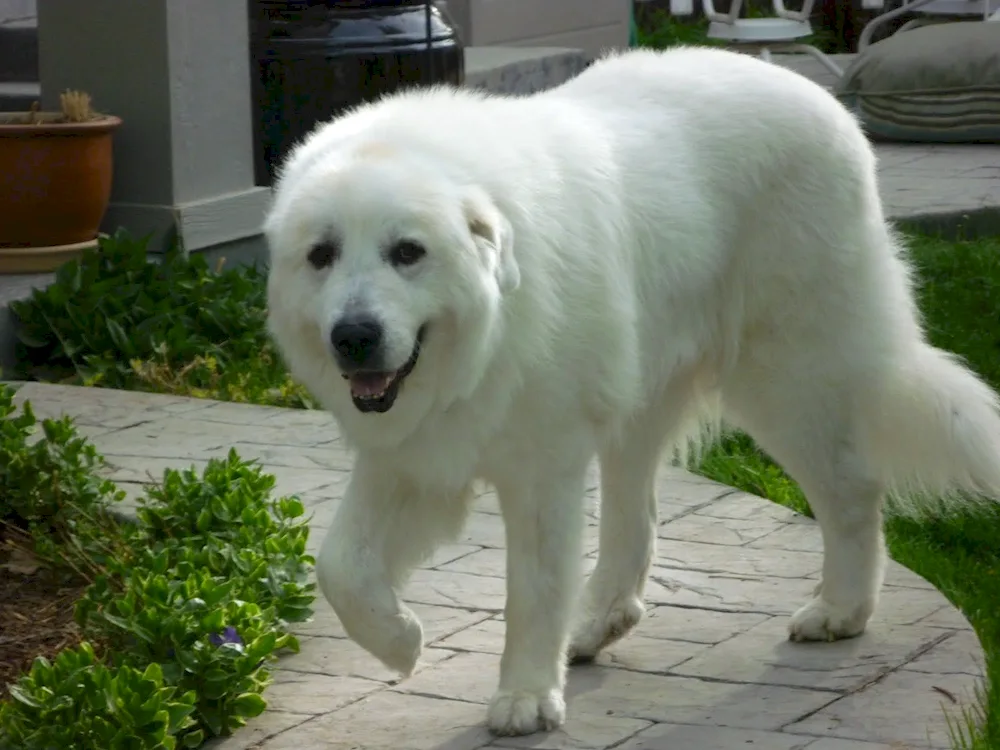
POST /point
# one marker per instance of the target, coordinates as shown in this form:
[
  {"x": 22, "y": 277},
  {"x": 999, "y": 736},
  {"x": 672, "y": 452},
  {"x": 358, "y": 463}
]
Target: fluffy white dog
[{"x": 494, "y": 288}]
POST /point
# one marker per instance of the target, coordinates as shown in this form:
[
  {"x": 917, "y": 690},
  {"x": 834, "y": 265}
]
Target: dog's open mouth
[{"x": 377, "y": 391}]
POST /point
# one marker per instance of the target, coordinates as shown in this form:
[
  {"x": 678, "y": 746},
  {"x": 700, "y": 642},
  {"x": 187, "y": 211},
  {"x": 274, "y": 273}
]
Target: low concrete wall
[{"x": 590, "y": 25}]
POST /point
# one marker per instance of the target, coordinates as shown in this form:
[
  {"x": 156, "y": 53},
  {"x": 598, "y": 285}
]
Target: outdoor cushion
[{"x": 937, "y": 83}]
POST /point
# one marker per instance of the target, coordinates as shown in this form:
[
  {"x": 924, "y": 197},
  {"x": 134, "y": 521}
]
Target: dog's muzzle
[{"x": 359, "y": 351}]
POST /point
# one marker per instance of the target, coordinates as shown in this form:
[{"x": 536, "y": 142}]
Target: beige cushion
[{"x": 938, "y": 83}]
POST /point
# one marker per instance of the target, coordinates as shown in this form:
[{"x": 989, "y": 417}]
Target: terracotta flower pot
[{"x": 55, "y": 179}]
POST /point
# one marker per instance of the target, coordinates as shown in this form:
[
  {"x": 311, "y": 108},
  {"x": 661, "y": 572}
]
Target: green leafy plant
[
  {"x": 51, "y": 488},
  {"x": 220, "y": 573},
  {"x": 207, "y": 643},
  {"x": 78, "y": 702},
  {"x": 190, "y": 603},
  {"x": 118, "y": 319},
  {"x": 223, "y": 509}
]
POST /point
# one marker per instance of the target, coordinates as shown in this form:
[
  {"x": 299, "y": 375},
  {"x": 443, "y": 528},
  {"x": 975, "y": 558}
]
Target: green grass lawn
[{"x": 960, "y": 299}]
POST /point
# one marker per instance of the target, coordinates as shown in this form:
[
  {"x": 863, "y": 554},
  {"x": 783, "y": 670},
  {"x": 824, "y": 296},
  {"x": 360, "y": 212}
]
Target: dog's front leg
[
  {"x": 544, "y": 522},
  {"x": 384, "y": 528}
]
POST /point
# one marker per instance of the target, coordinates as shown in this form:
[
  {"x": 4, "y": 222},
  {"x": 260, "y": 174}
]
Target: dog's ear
[{"x": 494, "y": 238}]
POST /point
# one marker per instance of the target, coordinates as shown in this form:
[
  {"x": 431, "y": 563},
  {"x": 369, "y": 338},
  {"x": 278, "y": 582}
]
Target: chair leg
[
  {"x": 825, "y": 61},
  {"x": 765, "y": 54},
  {"x": 912, "y": 24},
  {"x": 866, "y": 33}
]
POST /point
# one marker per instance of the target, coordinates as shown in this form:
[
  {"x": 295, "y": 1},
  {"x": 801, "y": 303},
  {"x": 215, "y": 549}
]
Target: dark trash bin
[{"x": 313, "y": 59}]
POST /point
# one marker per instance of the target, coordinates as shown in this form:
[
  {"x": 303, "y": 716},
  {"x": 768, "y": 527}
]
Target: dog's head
[{"x": 385, "y": 284}]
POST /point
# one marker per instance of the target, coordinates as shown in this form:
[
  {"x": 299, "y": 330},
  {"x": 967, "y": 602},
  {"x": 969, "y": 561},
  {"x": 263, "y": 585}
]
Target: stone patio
[{"x": 709, "y": 669}]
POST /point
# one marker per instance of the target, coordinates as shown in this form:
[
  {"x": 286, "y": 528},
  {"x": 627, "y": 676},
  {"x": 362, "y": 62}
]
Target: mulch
[{"x": 36, "y": 609}]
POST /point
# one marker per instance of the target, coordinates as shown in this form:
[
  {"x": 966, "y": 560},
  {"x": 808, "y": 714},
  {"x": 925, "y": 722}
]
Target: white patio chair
[
  {"x": 781, "y": 32},
  {"x": 931, "y": 11}
]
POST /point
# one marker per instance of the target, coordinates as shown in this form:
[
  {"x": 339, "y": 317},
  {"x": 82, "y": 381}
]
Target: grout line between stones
[{"x": 878, "y": 677}]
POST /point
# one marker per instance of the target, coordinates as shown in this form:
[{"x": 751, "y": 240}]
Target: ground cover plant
[{"x": 157, "y": 633}]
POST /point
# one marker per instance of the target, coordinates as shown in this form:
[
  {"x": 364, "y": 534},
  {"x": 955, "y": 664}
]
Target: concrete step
[
  {"x": 17, "y": 96},
  {"x": 522, "y": 70}
]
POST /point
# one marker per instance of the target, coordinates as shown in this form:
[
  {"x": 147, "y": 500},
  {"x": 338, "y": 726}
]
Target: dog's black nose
[{"x": 357, "y": 341}]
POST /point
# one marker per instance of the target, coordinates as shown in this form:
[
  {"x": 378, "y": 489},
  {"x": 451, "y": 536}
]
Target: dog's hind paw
[
  {"x": 819, "y": 620},
  {"x": 516, "y": 712}
]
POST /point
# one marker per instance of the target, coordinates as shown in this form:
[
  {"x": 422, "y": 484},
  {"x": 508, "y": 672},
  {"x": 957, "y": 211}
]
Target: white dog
[{"x": 483, "y": 287}]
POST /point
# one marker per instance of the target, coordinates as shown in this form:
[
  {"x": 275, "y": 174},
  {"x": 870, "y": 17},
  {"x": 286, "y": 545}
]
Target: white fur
[{"x": 668, "y": 238}]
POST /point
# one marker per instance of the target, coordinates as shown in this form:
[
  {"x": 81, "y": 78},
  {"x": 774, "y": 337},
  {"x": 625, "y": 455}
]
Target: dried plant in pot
[{"x": 55, "y": 182}]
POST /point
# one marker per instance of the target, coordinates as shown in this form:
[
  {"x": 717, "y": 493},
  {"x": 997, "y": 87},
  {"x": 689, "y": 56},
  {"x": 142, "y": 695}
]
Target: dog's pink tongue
[{"x": 370, "y": 383}]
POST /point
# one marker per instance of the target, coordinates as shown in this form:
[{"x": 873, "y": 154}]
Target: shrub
[
  {"x": 77, "y": 702},
  {"x": 51, "y": 488},
  {"x": 117, "y": 319}
]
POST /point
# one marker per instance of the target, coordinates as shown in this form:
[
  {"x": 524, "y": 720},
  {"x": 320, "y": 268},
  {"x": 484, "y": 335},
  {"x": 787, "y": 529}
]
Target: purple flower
[{"x": 229, "y": 634}]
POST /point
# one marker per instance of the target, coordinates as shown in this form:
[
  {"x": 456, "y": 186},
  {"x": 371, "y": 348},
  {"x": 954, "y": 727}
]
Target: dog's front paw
[
  {"x": 369, "y": 610},
  {"x": 396, "y": 641},
  {"x": 516, "y": 712},
  {"x": 609, "y": 622}
]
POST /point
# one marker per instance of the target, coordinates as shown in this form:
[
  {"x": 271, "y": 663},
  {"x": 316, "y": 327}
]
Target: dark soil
[{"x": 36, "y": 609}]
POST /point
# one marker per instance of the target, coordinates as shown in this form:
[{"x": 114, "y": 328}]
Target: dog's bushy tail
[{"x": 934, "y": 429}]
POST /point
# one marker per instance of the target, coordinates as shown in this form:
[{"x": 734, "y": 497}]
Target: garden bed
[
  {"x": 36, "y": 618},
  {"x": 189, "y": 604}
]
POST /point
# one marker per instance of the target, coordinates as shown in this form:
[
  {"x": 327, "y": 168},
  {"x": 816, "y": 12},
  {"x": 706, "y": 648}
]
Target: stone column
[{"x": 178, "y": 74}]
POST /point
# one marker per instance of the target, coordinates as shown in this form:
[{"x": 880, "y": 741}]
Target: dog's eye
[
  {"x": 406, "y": 253},
  {"x": 324, "y": 254}
]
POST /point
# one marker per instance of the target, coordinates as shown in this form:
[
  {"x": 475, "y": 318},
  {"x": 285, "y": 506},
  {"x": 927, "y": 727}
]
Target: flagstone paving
[{"x": 709, "y": 668}]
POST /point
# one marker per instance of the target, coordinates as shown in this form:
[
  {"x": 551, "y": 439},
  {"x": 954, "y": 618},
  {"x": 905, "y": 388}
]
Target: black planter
[{"x": 313, "y": 59}]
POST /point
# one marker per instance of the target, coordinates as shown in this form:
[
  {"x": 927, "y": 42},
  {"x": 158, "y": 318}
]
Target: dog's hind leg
[
  {"x": 383, "y": 529},
  {"x": 612, "y": 602},
  {"x": 806, "y": 419}
]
